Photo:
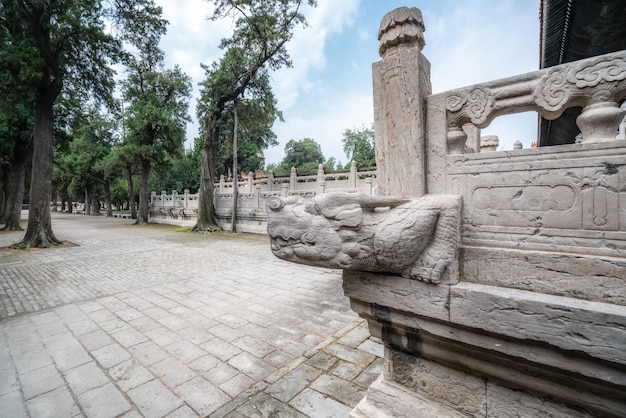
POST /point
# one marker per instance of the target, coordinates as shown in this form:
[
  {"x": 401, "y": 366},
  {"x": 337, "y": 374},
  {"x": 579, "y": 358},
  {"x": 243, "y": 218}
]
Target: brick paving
[{"x": 148, "y": 321}]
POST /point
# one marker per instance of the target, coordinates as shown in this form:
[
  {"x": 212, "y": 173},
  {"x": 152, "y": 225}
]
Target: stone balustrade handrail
[{"x": 596, "y": 84}]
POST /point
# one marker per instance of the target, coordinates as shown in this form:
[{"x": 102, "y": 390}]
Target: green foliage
[
  {"x": 156, "y": 117},
  {"x": 359, "y": 146},
  {"x": 183, "y": 174},
  {"x": 305, "y": 155}
]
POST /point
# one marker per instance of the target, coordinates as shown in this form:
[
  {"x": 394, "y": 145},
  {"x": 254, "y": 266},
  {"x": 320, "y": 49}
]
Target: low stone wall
[{"x": 252, "y": 195}]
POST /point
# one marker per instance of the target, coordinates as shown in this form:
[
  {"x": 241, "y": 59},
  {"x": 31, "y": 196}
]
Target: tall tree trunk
[
  {"x": 70, "y": 204},
  {"x": 94, "y": 203},
  {"x": 107, "y": 198},
  {"x": 87, "y": 201},
  {"x": 131, "y": 193},
  {"x": 15, "y": 190},
  {"x": 4, "y": 175},
  {"x": 39, "y": 231},
  {"x": 206, "y": 209},
  {"x": 144, "y": 193}
]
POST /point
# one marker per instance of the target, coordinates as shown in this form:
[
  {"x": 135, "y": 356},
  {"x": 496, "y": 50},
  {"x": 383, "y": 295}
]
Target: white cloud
[{"x": 306, "y": 49}]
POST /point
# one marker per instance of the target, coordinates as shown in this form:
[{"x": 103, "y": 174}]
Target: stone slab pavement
[{"x": 149, "y": 321}]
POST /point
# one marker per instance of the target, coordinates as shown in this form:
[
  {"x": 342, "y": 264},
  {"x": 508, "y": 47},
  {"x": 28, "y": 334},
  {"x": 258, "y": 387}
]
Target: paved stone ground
[{"x": 149, "y": 321}]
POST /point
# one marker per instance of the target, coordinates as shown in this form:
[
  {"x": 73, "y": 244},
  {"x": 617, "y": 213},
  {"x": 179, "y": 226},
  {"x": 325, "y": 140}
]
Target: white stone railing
[
  {"x": 596, "y": 84},
  {"x": 182, "y": 209}
]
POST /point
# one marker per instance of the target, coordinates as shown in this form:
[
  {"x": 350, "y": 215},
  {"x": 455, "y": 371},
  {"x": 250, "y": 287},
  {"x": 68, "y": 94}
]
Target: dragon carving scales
[{"x": 416, "y": 238}]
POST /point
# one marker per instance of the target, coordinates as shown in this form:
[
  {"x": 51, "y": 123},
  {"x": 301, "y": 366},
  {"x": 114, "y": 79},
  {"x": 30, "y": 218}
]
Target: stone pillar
[
  {"x": 293, "y": 179},
  {"x": 353, "y": 174},
  {"x": 401, "y": 82},
  {"x": 489, "y": 143},
  {"x": 270, "y": 180},
  {"x": 250, "y": 181}
]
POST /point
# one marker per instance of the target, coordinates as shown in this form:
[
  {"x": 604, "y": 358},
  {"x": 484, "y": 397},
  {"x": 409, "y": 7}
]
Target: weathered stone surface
[
  {"x": 401, "y": 81},
  {"x": 567, "y": 323},
  {"x": 416, "y": 239},
  {"x": 398, "y": 293}
]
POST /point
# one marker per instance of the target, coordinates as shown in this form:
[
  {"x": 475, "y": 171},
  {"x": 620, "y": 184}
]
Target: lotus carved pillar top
[{"x": 416, "y": 239}]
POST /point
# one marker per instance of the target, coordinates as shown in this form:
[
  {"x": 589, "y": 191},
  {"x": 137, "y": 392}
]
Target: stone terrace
[{"x": 147, "y": 321}]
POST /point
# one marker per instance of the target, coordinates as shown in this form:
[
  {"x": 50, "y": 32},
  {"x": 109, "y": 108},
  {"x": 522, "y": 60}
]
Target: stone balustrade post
[
  {"x": 401, "y": 83},
  {"x": 352, "y": 177},
  {"x": 222, "y": 184},
  {"x": 369, "y": 186},
  {"x": 293, "y": 179},
  {"x": 250, "y": 181},
  {"x": 163, "y": 198},
  {"x": 152, "y": 198},
  {"x": 284, "y": 189},
  {"x": 270, "y": 180},
  {"x": 186, "y": 202},
  {"x": 257, "y": 197}
]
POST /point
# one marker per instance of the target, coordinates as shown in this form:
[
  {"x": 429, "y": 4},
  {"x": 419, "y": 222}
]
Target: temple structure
[{"x": 497, "y": 279}]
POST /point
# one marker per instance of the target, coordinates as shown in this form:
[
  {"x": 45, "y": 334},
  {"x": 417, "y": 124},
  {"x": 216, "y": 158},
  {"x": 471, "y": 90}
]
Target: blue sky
[{"x": 329, "y": 88}]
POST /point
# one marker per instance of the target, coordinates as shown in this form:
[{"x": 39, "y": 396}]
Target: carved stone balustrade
[
  {"x": 496, "y": 280},
  {"x": 596, "y": 84}
]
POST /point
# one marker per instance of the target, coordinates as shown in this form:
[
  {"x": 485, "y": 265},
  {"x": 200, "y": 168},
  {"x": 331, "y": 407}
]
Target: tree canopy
[
  {"x": 66, "y": 47},
  {"x": 358, "y": 144},
  {"x": 257, "y": 46}
]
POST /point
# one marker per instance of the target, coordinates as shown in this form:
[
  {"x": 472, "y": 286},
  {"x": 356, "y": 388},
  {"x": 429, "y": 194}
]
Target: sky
[{"x": 329, "y": 87}]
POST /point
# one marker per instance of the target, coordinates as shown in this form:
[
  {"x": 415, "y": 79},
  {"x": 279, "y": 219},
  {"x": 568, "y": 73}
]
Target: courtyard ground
[{"x": 132, "y": 321}]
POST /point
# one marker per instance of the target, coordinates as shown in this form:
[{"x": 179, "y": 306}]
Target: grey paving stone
[
  {"x": 237, "y": 384},
  {"x": 60, "y": 342},
  {"x": 148, "y": 353},
  {"x": 110, "y": 355},
  {"x": 354, "y": 337},
  {"x": 70, "y": 314},
  {"x": 162, "y": 336},
  {"x": 144, "y": 324},
  {"x": 113, "y": 325},
  {"x": 221, "y": 349},
  {"x": 12, "y": 405},
  {"x": 323, "y": 361},
  {"x": 183, "y": 412},
  {"x": 339, "y": 389},
  {"x": 346, "y": 370},
  {"x": 185, "y": 351},
  {"x": 293, "y": 382},
  {"x": 40, "y": 381},
  {"x": 129, "y": 375},
  {"x": 84, "y": 378},
  {"x": 367, "y": 376},
  {"x": 103, "y": 402},
  {"x": 56, "y": 403},
  {"x": 278, "y": 358},
  {"x": 373, "y": 347},
  {"x": 153, "y": 399},
  {"x": 254, "y": 346},
  {"x": 315, "y": 405},
  {"x": 220, "y": 373},
  {"x": 129, "y": 337},
  {"x": 172, "y": 372},
  {"x": 50, "y": 329},
  {"x": 202, "y": 396},
  {"x": 195, "y": 334},
  {"x": 31, "y": 360},
  {"x": 83, "y": 327},
  {"x": 8, "y": 377},
  {"x": 95, "y": 340},
  {"x": 204, "y": 364},
  {"x": 357, "y": 357},
  {"x": 252, "y": 366},
  {"x": 71, "y": 357},
  {"x": 263, "y": 405}
]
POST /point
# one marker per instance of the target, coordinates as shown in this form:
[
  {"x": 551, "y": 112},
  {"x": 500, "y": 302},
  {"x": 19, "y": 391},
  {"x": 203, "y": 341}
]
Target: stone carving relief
[
  {"x": 403, "y": 25},
  {"x": 414, "y": 238},
  {"x": 597, "y": 84},
  {"x": 458, "y": 389}
]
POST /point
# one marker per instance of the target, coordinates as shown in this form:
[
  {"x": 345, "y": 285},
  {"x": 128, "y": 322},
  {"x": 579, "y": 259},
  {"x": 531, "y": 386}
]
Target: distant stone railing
[{"x": 252, "y": 195}]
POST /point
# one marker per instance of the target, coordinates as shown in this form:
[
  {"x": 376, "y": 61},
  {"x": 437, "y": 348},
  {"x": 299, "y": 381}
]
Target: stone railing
[
  {"x": 496, "y": 280},
  {"x": 182, "y": 209}
]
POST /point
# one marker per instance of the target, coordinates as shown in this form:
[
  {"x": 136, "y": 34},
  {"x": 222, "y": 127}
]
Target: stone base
[{"x": 388, "y": 400}]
